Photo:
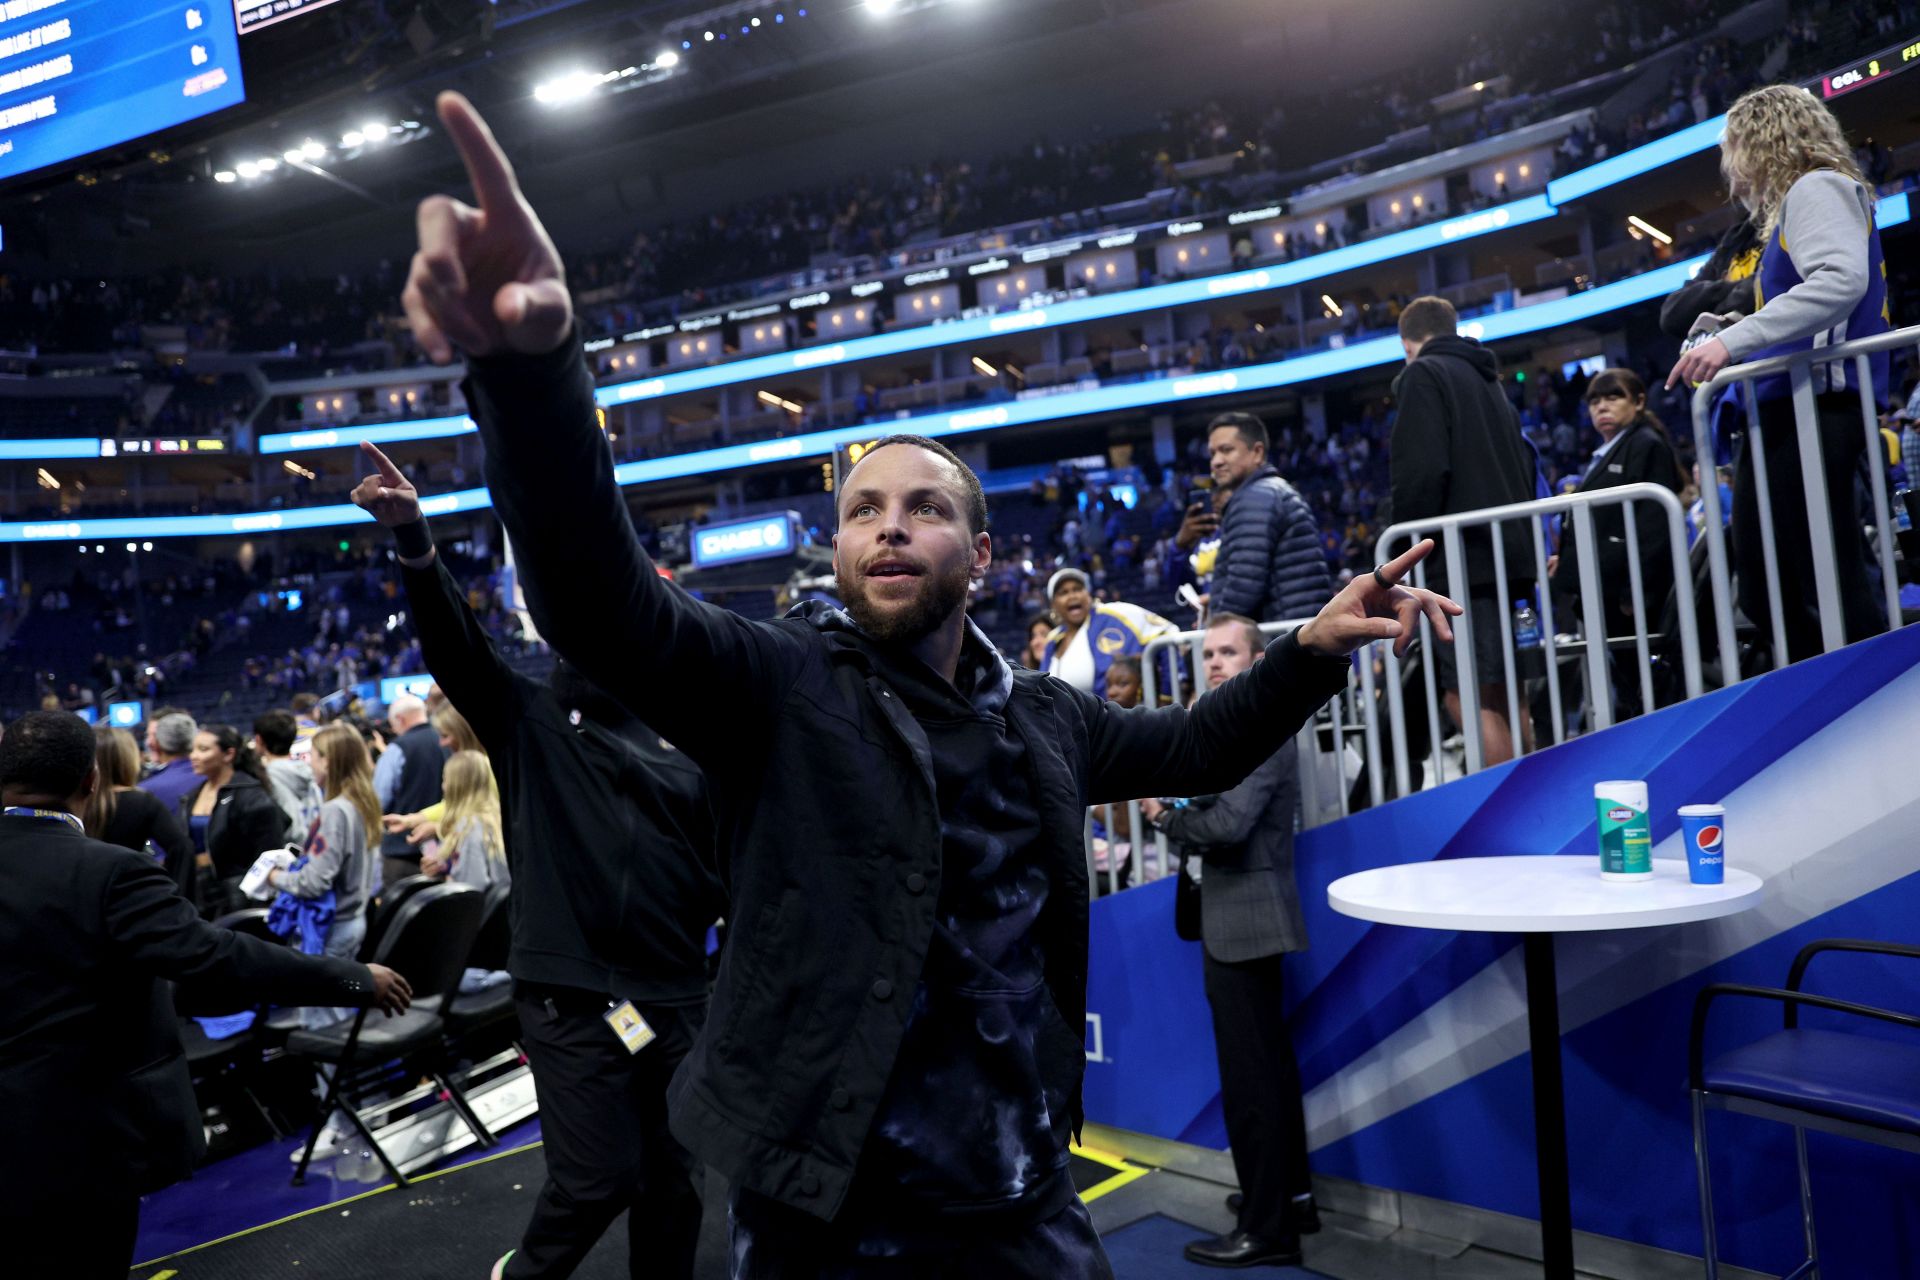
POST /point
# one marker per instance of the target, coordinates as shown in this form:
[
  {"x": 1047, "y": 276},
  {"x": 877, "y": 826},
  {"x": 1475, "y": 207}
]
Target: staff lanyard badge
[{"x": 629, "y": 1026}]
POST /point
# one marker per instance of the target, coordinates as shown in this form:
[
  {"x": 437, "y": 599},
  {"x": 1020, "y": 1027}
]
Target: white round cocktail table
[{"x": 1537, "y": 897}]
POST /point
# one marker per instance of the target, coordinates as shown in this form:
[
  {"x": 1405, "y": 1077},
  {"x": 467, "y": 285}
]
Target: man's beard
[{"x": 940, "y": 595}]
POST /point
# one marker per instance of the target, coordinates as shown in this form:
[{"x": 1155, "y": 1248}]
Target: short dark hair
[
  {"x": 303, "y": 702},
  {"x": 976, "y": 496},
  {"x": 46, "y": 753},
  {"x": 1252, "y": 430},
  {"x": 1254, "y": 643},
  {"x": 277, "y": 730},
  {"x": 1427, "y": 318}
]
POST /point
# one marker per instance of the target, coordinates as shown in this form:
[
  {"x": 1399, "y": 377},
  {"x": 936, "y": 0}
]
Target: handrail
[
  {"x": 1798, "y": 368},
  {"x": 1580, "y": 506}
]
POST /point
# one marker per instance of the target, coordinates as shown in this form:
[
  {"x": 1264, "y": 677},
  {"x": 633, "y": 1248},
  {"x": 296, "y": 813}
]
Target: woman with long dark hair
[
  {"x": 1634, "y": 449},
  {"x": 120, "y": 813},
  {"x": 232, "y": 815}
]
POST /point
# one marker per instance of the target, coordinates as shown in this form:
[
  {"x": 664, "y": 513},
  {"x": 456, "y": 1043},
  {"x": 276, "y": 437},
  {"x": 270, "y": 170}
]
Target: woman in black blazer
[
  {"x": 120, "y": 813},
  {"x": 232, "y": 815},
  {"x": 1635, "y": 448}
]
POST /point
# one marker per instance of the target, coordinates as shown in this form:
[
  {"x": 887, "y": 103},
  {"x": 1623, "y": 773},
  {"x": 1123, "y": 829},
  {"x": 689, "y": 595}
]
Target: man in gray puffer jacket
[{"x": 1270, "y": 564}]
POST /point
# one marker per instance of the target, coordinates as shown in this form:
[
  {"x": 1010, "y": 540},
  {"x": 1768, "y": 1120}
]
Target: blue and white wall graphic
[{"x": 1412, "y": 1043}]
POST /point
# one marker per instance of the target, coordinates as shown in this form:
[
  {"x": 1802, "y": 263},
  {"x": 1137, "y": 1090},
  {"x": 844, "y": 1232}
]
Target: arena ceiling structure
[{"x": 620, "y": 112}]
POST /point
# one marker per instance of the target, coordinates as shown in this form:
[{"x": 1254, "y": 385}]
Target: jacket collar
[{"x": 984, "y": 675}]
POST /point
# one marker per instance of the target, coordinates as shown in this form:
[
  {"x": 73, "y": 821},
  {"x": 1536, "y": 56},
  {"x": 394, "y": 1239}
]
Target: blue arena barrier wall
[{"x": 1413, "y": 1042}]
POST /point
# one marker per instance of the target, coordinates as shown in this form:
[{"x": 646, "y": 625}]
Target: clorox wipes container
[{"x": 1626, "y": 837}]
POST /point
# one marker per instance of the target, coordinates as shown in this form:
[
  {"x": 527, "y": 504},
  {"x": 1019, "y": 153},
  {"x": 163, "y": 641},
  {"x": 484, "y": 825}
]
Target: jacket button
[
  {"x": 916, "y": 883},
  {"x": 840, "y": 1099},
  {"x": 882, "y": 990},
  {"x": 809, "y": 1185}
]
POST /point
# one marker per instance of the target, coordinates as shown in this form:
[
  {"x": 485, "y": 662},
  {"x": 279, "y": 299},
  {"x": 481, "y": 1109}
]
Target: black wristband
[{"x": 413, "y": 540}]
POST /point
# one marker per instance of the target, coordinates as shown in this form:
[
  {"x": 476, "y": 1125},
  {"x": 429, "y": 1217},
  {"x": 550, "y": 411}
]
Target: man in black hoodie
[
  {"x": 610, "y": 838},
  {"x": 892, "y": 1067},
  {"x": 1457, "y": 447}
]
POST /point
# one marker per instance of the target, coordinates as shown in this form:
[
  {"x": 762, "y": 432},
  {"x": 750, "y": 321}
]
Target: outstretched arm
[
  {"x": 1231, "y": 730},
  {"x": 456, "y": 647},
  {"x": 488, "y": 279}
]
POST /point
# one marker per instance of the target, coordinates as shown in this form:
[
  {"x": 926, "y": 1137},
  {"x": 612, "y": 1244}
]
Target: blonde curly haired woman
[{"x": 1822, "y": 280}]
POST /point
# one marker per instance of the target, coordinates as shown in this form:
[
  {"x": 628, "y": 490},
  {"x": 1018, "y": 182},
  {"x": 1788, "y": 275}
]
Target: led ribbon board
[{"x": 1893, "y": 211}]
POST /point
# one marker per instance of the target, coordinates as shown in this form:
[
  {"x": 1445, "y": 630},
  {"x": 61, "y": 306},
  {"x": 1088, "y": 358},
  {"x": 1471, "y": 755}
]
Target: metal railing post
[
  {"x": 1719, "y": 575},
  {"x": 1599, "y": 686},
  {"x": 1813, "y": 475},
  {"x": 1549, "y": 644},
  {"x": 1637, "y": 584},
  {"x": 1504, "y": 599},
  {"x": 1370, "y": 726},
  {"x": 1763, "y": 508},
  {"x": 1883, "y": 516},
  {"x": 1465, "y": 667}
]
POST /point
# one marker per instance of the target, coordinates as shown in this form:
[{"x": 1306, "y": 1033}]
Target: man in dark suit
[
  {"x": 1249, "y": 920},
  {"x": 96, "y": 1106}
]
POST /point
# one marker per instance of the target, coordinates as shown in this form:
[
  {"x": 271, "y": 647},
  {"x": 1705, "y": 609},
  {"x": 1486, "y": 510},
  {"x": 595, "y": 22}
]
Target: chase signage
[{"x": 757, "y": 539}]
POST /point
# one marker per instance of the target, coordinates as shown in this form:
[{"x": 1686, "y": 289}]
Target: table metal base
[{"x": 1549, "y": 1107}]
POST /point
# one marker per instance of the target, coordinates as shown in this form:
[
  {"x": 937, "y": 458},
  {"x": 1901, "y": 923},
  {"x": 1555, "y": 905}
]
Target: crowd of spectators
[
  {"x": 234, "y": 636},
  {"x": 1055, "y": 186}
]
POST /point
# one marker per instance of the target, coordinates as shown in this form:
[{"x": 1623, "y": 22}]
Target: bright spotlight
[
  {"x": 246, "y": 169},
  {"x": 267, "y": 164},
  {"x": 226, "y": 175},
  {"x": 312, "y": 149},
  {"x": 146, "y": 546},
  {"x": 292, "y": 155},
  {"x": 375, "y": 132},
  {"x": 708, "y": 36},
  {"x": 132, "y": 547},
  {"x": 667, "y": 58},
  {"x": 352, "y": 138},
  {"x": 570, "y": 87},
  {"x": 880, "y": 8}
]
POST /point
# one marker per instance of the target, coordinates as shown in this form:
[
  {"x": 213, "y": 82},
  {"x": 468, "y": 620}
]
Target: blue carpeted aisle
[{"x": 1150, "y": 1250}]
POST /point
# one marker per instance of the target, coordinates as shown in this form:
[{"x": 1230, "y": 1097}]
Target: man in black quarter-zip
[{"x": 890, "y": 1073}]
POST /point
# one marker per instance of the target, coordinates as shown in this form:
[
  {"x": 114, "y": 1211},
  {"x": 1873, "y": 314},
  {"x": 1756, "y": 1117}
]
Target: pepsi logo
[{"x": 1707, "y": 838}]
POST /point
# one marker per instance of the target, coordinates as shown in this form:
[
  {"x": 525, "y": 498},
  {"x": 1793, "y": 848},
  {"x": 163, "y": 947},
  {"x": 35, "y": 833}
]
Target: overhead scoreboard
[
  {"x": 251, "y": 15},
  {"x": 80, "y": 75}
]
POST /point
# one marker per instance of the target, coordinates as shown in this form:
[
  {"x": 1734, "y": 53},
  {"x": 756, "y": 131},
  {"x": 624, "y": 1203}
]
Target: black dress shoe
[
  {"x": 1306, "y": 1217},
  {"x": 1244, "y": 1249}
]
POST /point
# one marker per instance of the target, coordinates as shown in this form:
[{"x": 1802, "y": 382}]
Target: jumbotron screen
[
  {"x": 79, "y": 75},
  {"x": 251, "y": 15}
]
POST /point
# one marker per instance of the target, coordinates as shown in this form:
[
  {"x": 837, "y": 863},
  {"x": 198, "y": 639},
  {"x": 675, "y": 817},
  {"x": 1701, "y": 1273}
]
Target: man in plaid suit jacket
[{"x": 1249, "y": 919}]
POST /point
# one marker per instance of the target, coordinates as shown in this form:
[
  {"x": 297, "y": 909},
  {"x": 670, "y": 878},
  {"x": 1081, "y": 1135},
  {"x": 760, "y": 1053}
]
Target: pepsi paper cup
[{"x": 1703, "y": 829}]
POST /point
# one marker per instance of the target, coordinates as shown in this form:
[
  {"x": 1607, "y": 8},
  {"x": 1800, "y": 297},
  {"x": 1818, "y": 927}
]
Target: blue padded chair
[{"x": 1838, "y": 1082}]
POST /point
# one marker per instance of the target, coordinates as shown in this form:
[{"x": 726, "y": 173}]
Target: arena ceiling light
[
  {"x": 881, "y": 8},
  {"x": 1334, "y": 309},
  {"x": 1641, "y": 226},
  {"x": 226, "y": 175},
  {"x": 571, "y": 86}
]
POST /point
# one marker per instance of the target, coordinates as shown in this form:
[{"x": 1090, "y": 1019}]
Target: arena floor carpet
[{"x": 426, "y": 1231}]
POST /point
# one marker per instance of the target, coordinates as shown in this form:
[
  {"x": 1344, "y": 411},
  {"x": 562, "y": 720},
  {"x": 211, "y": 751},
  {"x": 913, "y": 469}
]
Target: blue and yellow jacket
[{"x": 1113, "y": 631}]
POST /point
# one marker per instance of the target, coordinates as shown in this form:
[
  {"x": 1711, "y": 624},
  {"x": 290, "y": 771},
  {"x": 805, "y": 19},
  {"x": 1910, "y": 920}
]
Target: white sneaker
[{"x": 333, "y": 1142}]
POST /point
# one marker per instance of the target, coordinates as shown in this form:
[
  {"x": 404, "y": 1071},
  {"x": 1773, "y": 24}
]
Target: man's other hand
[{"x": 1365, "y": 610}]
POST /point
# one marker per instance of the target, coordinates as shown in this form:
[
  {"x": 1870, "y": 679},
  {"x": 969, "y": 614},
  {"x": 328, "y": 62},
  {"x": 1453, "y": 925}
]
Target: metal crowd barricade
[
  {"x": 1339, "y": 721},
  {"x": 1798, "y": 369},
  {"x": 1594, "y": 644}
]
